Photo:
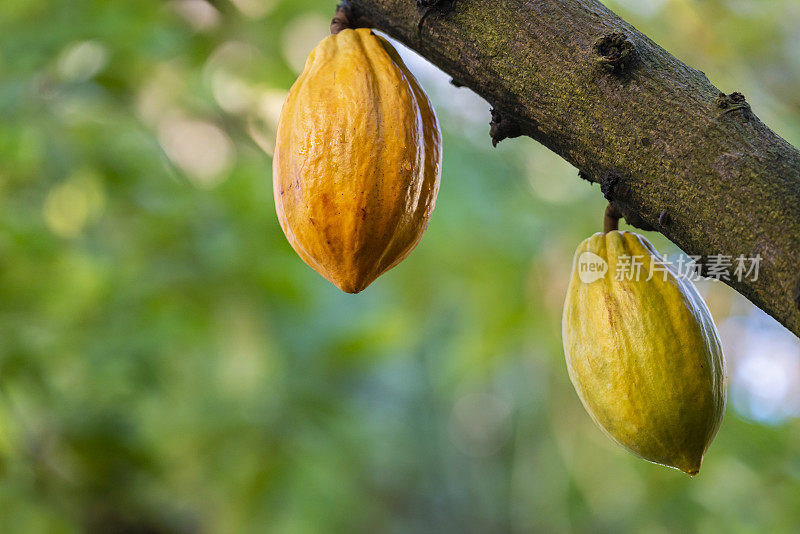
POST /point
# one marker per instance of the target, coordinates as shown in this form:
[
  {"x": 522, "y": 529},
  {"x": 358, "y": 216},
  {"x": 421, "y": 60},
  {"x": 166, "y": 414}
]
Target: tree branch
[{"x": 669, "y": 149}]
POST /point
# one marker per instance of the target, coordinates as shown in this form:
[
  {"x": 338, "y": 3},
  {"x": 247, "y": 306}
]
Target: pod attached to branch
[
  {"x": 642, "y": 351},
  {"x": 357, "y": 160}
]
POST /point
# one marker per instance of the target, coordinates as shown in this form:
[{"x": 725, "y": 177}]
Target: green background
[{"x": 168, "y": 363}]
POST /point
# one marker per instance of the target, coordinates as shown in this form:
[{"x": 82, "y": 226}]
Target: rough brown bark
[{"x": 670, "y": 151}]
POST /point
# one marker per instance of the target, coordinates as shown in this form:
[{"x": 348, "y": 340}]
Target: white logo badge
[{"x": 591, "y": 267}]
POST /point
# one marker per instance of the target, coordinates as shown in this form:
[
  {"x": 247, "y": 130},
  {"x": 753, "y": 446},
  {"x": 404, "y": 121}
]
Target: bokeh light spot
[
  {"x": 255, "y": 9},
  {"x": 199, "y": 14},
  {"x": 83, "y": 60},
  {"x": 71, "y": 204},
  {"x": 764, "y": 367},
  {"x": 199, "y": 148},
  {"x": 301, "y": 35}
]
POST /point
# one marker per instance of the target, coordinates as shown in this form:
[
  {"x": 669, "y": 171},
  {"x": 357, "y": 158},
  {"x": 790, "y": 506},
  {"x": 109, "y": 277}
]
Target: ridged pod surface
[
  {"x": 643, "y": 355},
  {"x": 357, "y": 160}
]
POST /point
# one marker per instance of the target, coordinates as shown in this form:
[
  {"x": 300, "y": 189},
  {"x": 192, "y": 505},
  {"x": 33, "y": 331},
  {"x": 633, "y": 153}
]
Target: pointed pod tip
[
  {"x": 351, "y": 291},
  {"x": 691, "y": 467},
  {"x": 346, "y": 288},
  {"x": 351, "y": 286},
  {"x": 346, "y": 280}
]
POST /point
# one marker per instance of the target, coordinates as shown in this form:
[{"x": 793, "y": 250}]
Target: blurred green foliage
[{"x": 168, "y": 364}]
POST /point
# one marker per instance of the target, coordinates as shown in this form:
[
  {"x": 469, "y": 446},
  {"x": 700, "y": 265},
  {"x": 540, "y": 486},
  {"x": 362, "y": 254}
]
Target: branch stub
[{"x": 502, "y": 127}]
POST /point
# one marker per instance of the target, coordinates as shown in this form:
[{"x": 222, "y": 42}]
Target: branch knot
[
  {"x": 442, "y": 6},
  {"x": 616, "y": 52},
  {"x": 502, "y": 127},
  {"x": 608, "y": 185},
  {"x": 732, "y": 102}
]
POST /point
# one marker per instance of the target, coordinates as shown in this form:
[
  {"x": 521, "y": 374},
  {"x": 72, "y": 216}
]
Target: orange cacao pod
[{"x": 357, "y": 160}]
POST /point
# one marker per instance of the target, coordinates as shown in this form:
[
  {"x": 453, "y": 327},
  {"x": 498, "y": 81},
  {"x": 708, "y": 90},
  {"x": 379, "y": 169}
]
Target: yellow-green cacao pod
[
  {"x": 357, "y": 160},
  {"x": 643, "y": 355}
]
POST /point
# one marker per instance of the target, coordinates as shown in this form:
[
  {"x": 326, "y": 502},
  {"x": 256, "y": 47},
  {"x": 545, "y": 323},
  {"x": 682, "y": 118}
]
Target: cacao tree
[{"x": 672, "y": 152}]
